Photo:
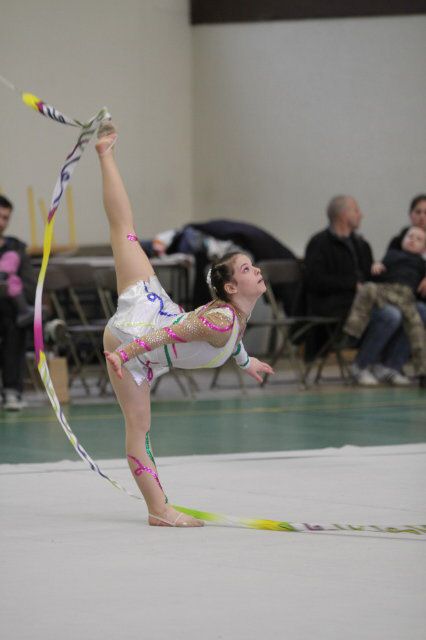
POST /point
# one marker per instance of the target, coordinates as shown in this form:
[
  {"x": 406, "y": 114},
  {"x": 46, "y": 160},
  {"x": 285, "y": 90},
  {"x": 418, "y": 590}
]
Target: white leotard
[{"x": 146, "y": 312}]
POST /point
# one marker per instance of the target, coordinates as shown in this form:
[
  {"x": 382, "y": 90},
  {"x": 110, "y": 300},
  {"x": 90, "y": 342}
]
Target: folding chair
[
  {"x": 106, "y": 285},
  {"x": 91, "y": 321},
  {"x": 290, "y": 330},
  {"x": 72, "y": 292}
]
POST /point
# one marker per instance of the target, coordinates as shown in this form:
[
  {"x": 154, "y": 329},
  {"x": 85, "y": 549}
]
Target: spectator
[
  {"x": 392, "y": 338},
  {"x": 400, "y": 273},
  {"x": 337, "y": 260},
  {"x": 417, "y": 215},
  {"x": 17, "y": 291}
]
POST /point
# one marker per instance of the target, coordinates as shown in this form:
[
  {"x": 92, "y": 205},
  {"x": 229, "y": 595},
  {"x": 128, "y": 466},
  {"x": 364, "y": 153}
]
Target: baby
[{"x": 400, "y": 274}]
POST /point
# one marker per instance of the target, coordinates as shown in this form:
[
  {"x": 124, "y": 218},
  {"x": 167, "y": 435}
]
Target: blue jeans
[{"x": 384, "y": 341}]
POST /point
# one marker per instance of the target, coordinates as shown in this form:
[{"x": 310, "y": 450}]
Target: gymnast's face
[
  {"x": 4, "y": 219},
  {"x": 247, "y": 279}
]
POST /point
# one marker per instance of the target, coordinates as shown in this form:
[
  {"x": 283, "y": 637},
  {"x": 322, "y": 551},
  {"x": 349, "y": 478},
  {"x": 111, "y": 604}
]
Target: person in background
[
  {"x": 17, "y": 291},
  {"x": 397, "y": 352},
  {"x": 337, "y": 261},
  {"x": 417, "y": 215},
  {"x": 397, "y": 281}
]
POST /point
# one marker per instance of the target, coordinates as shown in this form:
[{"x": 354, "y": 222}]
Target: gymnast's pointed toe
[
  {"x": 107, "y": 137},
  {"x": 106, "y": 128},
  {"x": 174, "y": 519}
]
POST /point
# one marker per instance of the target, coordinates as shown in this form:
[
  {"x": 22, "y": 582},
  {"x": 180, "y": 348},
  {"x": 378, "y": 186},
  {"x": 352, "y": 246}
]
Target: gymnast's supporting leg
[{"x": 135, "y": 404}]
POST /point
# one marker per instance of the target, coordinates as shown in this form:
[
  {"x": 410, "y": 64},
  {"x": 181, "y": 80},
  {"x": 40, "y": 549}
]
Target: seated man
[
  {"x": 17, "y": 290},
  {"x": 337, "y": 262}
]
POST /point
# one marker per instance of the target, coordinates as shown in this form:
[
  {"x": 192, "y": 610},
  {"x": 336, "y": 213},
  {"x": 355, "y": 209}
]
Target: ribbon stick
[{"x": 86, "y": 132}]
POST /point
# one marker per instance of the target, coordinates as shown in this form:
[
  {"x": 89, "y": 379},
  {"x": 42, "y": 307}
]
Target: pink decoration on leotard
[
  {"x": 213, "y": 326},
  {"x": 173, "y": 335},
  {"x": 143, "y": 344},
  {"x": 141, "y": 468},
  {"x": 132, "y": 237}
]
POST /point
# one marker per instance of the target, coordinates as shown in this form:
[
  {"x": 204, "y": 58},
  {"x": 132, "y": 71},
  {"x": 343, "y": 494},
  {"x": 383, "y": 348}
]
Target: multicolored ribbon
[
  {"x": 276, "y": 525},
  {"x": 87, "y": 130}
]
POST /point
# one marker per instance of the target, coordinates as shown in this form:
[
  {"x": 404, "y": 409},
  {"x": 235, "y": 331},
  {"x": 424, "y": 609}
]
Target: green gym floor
[{"x": 294, "y": 421}]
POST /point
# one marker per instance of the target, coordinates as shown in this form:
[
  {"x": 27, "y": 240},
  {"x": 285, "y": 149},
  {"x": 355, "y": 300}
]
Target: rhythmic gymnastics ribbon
[
  {"x": 276, "y": 525},
  {"x": 87, "y": 129}
]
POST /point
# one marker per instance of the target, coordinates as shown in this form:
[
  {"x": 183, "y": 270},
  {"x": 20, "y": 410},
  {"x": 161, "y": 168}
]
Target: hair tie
[{"x": 209, "y": 278}]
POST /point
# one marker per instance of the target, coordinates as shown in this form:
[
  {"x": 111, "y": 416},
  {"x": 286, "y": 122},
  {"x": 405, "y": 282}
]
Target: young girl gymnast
[{"x": 149, "y": 333}]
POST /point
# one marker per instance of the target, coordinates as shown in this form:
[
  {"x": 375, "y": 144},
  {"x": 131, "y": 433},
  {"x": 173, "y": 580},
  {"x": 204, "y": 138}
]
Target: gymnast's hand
[
  {"x": 256, "y": 367},
  {"x": 115, "y": 361}
]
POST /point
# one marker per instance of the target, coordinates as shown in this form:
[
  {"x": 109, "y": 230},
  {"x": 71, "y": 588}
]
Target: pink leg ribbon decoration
[
  {"x": 141, "y": 468},
  {"x": 132, "y": 237}
]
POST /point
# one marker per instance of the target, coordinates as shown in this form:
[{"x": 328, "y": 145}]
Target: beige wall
[
  {"x": 262, "y": 122},
  {"x": 133, "y": 56},
  {"x": 287, "y": 114}
]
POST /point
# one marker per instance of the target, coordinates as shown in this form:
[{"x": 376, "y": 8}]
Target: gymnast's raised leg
[{"x": 132, "y": 265}]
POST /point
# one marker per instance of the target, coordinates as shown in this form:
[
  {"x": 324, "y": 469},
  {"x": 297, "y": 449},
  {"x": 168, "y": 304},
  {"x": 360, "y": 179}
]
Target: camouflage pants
[{"x": 399, "y": 295}]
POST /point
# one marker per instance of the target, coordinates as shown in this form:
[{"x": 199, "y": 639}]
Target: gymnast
[{"x": 149, "y": 333}]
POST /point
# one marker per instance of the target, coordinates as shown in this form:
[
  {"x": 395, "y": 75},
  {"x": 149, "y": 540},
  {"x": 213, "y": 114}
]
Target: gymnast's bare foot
[
  {"x": 172, "y": 518},
  {"x": 107, "y": 137}
]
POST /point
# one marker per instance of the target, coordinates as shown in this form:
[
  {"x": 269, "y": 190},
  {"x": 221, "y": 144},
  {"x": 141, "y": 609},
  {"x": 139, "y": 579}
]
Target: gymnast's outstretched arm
[{"x": 212, "y": 327}]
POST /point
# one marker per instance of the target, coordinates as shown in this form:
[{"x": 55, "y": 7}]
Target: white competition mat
[{"x": 79, "y": 561}]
